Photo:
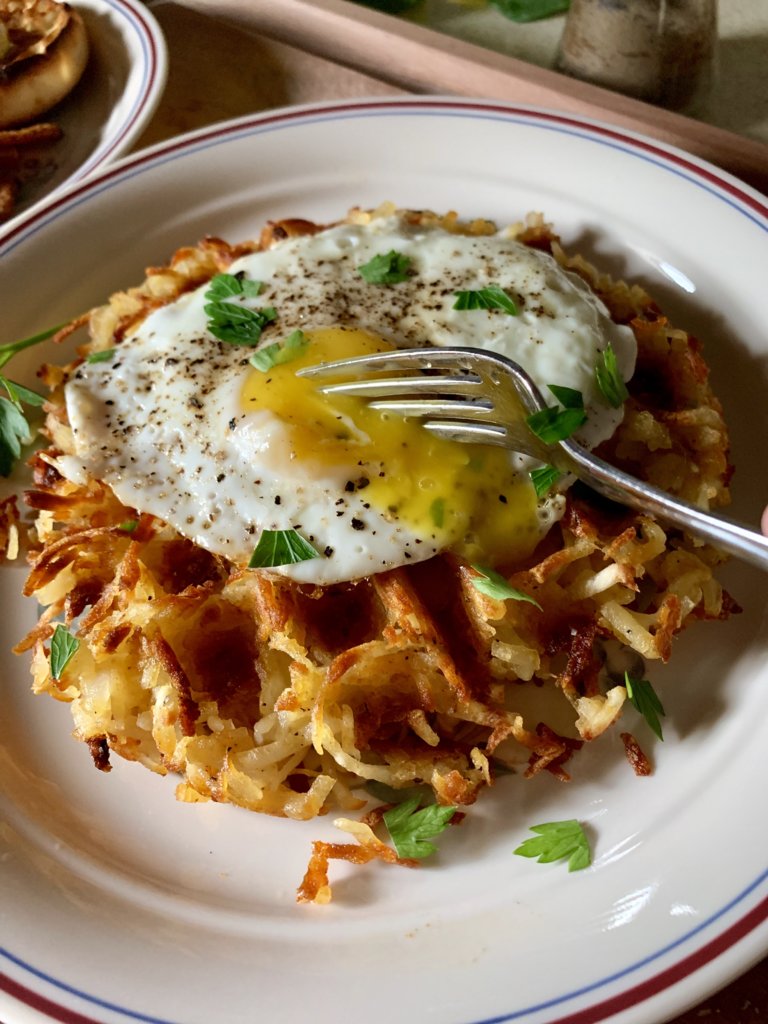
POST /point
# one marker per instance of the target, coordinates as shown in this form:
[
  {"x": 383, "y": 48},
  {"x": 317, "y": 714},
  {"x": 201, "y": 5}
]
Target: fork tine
[
  {"x": 468, "y": 432},
  {"x": 512, "y": 436},
  {"x": 375, "y": 388},
  {"x": 469, "y": 409},
  {"x": 492, "y": 372},
  {"x": 396, "y": 358}
]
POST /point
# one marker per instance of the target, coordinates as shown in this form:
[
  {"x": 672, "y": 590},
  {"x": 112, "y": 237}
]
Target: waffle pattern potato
[{"x": 285, "y": 698}]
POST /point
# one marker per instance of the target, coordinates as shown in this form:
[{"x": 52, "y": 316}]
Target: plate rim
[
  {"x": 713, "y": 178},
  {"x": 149, "y": 33}
]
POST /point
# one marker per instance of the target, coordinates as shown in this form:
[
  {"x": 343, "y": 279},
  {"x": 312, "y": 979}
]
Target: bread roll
[{"x": 43, "y": 52}]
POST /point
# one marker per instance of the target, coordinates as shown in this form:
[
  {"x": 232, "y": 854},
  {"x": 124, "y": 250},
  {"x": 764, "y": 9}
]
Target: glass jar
[{"x": 661, "y": 51}]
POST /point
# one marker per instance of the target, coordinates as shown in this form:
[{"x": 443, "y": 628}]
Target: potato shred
[{"x": 285, "y": 698}]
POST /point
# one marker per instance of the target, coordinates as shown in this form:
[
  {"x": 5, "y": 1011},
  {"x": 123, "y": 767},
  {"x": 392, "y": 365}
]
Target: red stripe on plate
[
  {"x": 693, "y": 962},
  {"x": 665, "y": 979},
  {"x": 52, "y": 1010},
  {"x": 592, "y": 1015},
  {"x": 149, "y": 38},
  {"x": 711, "y": 177}
]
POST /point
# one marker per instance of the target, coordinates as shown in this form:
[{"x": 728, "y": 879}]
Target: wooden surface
[
  {"x": 423, "y": 60},
  {"x": 206, "y": 85}
]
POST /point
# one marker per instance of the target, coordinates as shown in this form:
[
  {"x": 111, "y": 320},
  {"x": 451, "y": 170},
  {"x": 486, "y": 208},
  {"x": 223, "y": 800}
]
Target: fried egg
[{"x": 183, "y": 426}]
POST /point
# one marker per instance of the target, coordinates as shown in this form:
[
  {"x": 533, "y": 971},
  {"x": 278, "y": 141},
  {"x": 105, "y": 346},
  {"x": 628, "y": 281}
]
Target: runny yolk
[{"x": 467, "y": 496}]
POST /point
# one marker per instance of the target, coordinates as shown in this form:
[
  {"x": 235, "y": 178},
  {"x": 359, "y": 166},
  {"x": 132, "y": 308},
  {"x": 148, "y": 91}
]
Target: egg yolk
[{"x": 468, "y": 497}]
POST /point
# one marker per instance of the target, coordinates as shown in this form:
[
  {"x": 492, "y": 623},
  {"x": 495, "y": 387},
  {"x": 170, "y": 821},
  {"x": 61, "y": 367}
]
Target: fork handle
[{"x": 611, "y": 482}]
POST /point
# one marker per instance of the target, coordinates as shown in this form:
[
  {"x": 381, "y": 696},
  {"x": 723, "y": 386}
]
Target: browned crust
[
  {"x": 32, "y": 86},
  {"x": 429, "y": 686}
]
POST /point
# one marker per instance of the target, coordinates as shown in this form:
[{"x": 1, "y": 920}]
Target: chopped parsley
[
  {"x": 281, "y": 547},
  {"x": 492, "y": 297},
  {"x": 386, "y": 268},
  {"x": 63, "y": 648},
  {"x": 544, "y": 478},
  {"x": 494, "y": 585},
  {"x": 232, "y": 321},
  {"x": 437, "y": 512},
  {"x": 128, "y": 525},
  {"x": 558, "y": 840},
  {"x": 569, "y": 398},
  {"x": 280, "y": 352},
  {"x": 224, "y": 286},
  {"x": 530, "y": 10},
  {"x": 609, "y": 380},
  {"x": 645, "y": 699},
  {"x": 555, "y": 423},
  {"x": 100, "y": 357},
  {"x": 411, "y": 828}
]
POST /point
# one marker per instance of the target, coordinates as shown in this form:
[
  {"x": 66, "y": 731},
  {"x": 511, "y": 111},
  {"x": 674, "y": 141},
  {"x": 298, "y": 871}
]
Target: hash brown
[{"x": 284, "y": 698}]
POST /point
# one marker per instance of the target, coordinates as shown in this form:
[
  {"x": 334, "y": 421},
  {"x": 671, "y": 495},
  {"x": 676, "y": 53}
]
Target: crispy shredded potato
[
  {"x": 10, "y": 524},
  {"x": 286, "y": 698}
]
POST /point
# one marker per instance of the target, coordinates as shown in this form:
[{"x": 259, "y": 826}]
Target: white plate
[
  {"x": 119, "y": 904},
  {"x": 112, "y": 103}
]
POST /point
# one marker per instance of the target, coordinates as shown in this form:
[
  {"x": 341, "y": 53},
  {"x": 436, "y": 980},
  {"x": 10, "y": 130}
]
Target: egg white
[{"x": 163, "y": 424}]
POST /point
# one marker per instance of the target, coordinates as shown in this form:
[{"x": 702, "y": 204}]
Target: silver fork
[{"x": 472, "y": 395}]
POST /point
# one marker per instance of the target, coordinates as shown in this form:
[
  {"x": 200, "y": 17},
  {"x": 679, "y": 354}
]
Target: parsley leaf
[
  {"x": 554, "y": 424},
  {"x": 645, "y": 699},
  {"x": 569, "y": 398},
  {"x": 437, "y": 512},
  {"x": 544, "y": 478},
  {"x": 63, "y": 648},
  {"x": 386, "y": 268},
  {"x": 281, "y": 547},
  {"x": 609, "y": 379},
  {"x": 390, "y": 795},
  {"x": 494, "y": 585},
  {"x": 280, "y": 352},
  {"x": 558, "y": 840},
  {"x": 530, "y": 10},
  {"x": 128, "y": 525},
  {"x": 100, "y": 357},
  {"x": 492, "y": 297},
  {"x": 14, "y": 430},
  {"x": 410, "y": 828},
  {"x": 18, "y": 393},
  {"x": 14, "y": 426},
  {"x": 223, "y": 286},
  {"x": 231, "y": 321},
  {"x": 237, "y": 325}
]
